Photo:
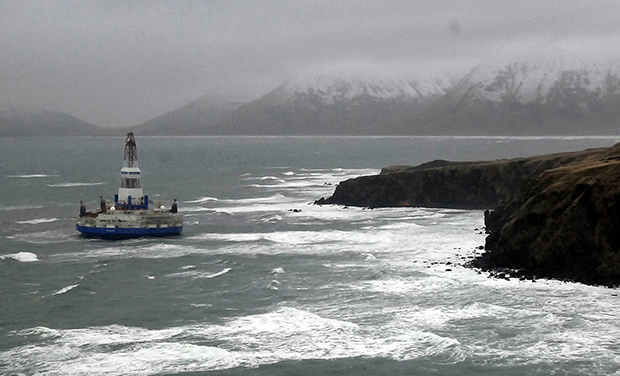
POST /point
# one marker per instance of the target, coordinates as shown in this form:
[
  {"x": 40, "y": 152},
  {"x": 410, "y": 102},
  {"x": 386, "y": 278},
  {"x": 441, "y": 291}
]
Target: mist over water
[{"x": 263, "y": 282}]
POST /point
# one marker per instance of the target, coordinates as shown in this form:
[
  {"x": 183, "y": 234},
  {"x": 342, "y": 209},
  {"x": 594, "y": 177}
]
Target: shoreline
[{"x": 550, "y": 216}]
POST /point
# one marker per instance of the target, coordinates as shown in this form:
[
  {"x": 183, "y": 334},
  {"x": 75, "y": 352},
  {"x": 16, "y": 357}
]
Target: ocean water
[{"x": 263, "y": 282}]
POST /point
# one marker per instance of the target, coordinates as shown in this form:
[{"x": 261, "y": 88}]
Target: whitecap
[
  {"x": 150, "y": 251},
  {"x": 21, "y": 256},
  {"x": 289, "y": 184},
  {"x": 295, "y": 334},
  {"x": 201, "y": 200},
  {"x": 273, "y": 198},
  {"x": 39, "y": 221},
  {"x": 439, "y": 317},
  {"x": 266, "y": 178},
  {"x": 137, "y": 351},
  {"x": 19, "y": 207},
  {"x": 41, "y": 331},
  {"x": 400, "y": 226},
  {"x": 65, "y": 289},
  {"x": 199, "y": 274},
  {"x": 370, "y": 257},
  {"x": 30, "y": 176},
  {"x": 286, "y": 237},
  {"x": 44, "y": 237},
  {"x": 282, "y": 206},
  {"x": 221, "y": 272},
  {"x": 247, "y": 237},
  {"x": 283, "y": 334},
  {"x": 195, "y": 209},
  {"x": 330, "y": 236},
  {"x": 288, "y": 320},
  {"x": 273, "y": 218},
  {"x": 309, "y": 241},
  {"x": 69, "y": 185}
]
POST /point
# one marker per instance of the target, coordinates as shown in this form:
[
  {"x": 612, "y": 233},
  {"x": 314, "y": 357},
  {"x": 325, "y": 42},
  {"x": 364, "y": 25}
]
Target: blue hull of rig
[{"x": 126, "y": 233}]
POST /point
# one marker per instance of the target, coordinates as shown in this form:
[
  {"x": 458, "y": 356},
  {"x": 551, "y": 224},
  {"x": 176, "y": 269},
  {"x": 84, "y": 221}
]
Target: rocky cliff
[
  {"x": 566, "y": 225},
  {"x": 463, "y": 185},
  {"x": 555, "y": 216}
]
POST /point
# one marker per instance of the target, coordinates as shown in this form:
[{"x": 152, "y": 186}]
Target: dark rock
[
  {"x": 461, "y": 185},
  {"x": 565, "y": 225}
]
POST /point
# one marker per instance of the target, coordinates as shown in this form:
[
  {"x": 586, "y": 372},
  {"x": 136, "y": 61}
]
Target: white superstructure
[{"x": 130, "y": 190}]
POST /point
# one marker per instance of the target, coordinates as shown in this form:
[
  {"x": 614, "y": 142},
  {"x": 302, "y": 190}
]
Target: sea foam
[
  {"x": 137, "y": 352},
  {"x": 38, "y": 221},
  {"x": 21, "y": 256}
]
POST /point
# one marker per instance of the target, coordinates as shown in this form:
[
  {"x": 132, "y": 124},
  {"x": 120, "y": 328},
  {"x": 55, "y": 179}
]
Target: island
[{"x": 551, "y": 216}]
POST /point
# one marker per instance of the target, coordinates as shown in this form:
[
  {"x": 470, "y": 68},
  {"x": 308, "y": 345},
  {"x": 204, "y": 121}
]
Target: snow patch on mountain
[
  {"x": 532, "y": 80},
  {"x": 336, "y": 87}
]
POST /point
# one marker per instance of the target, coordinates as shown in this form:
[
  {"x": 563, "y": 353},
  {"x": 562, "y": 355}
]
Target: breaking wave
[
  {"x": 69, "y": 185},
  {"x": 31, "y": 176},
  {"x": 201, "y": 200},
  {"x": 65, "y": 289},
  {"x": 44, "y": 237},
  {"x": 38, "y": 221},
  {"x": 21, "y": 256},
  {"x": 284, "y": 334}
]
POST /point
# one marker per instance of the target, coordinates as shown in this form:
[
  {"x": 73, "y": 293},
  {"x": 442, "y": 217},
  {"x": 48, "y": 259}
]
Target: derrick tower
[{"x": 130, "y": 190}]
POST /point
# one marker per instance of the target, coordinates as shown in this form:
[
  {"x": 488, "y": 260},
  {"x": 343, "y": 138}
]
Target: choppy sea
[{"x": 263, "y": 282}]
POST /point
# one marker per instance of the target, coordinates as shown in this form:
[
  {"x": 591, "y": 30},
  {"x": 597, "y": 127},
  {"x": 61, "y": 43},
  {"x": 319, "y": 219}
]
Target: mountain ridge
[
  {"x": 41, "y": 122},
  {"x": 553, "y": 93},
  {"x": 549, "y": 94}
]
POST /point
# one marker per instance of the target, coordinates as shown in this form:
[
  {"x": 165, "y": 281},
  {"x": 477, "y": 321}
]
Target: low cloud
[{"x": 121, "y": 63}]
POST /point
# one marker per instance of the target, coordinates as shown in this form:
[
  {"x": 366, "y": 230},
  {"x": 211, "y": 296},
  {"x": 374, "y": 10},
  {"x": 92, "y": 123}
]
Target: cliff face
[
  {"x": 565, "y": 225},
  {"x": 464, "y": 185}
]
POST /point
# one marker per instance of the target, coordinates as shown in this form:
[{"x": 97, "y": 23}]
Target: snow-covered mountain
[
  {"x": 336, "y": 104},
  {"x": 549, "y": 93},
  {"x": 538, "y": 80},
  {"x": 323, "y": 103},
  {"x": 331, "y": 88}
]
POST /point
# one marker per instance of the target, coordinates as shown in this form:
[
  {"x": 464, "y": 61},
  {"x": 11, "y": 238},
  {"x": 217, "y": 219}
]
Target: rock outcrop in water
[{"x": 555, "y": 216}]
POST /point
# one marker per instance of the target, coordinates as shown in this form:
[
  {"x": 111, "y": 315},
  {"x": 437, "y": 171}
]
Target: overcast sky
[{"x": 120, "y": 63}]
